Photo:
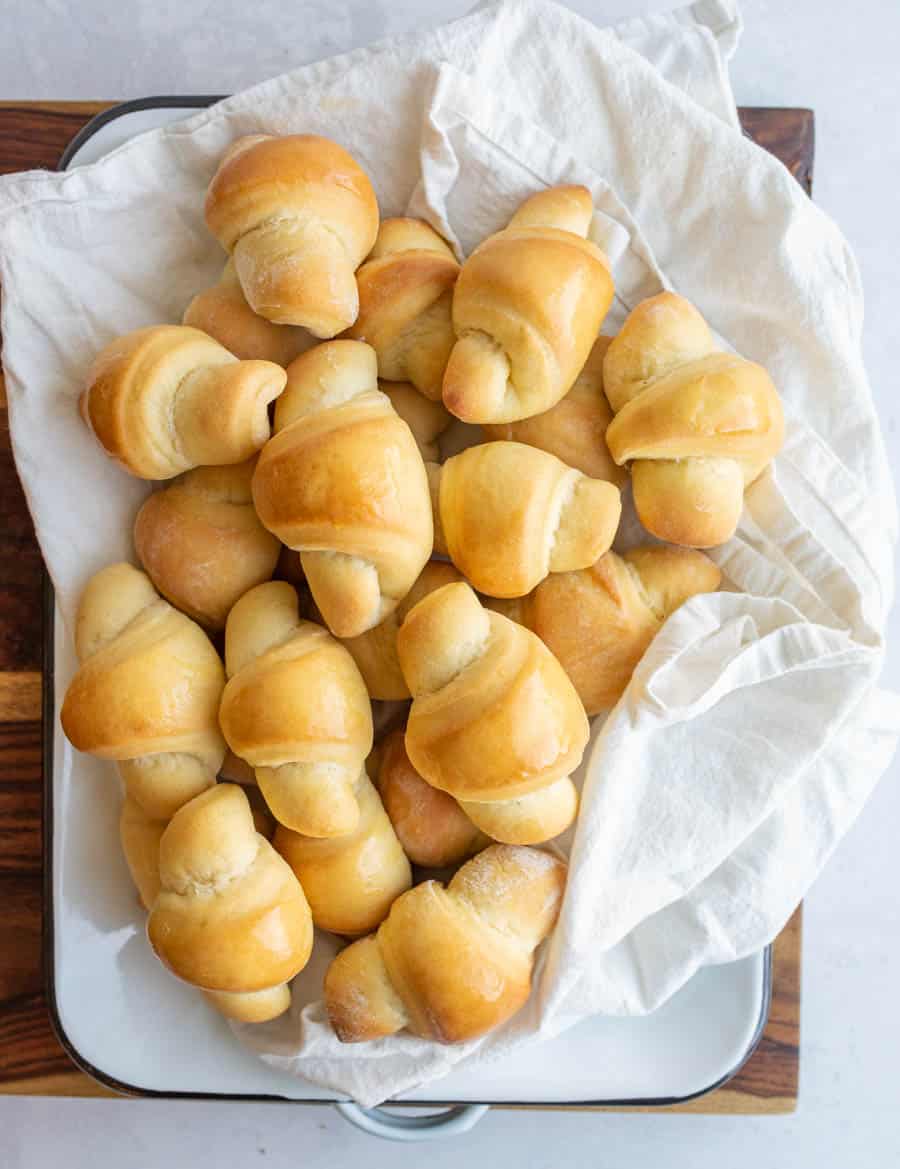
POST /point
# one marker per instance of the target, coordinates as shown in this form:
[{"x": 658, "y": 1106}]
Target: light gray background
[{"x": 799, "y": 53}]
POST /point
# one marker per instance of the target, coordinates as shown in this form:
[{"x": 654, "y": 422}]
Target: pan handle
[{"x": 392, "y": 1127}]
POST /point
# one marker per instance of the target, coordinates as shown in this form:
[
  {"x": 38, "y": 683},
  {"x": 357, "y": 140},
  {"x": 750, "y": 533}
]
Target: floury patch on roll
[{"x": 450, "y": 964}]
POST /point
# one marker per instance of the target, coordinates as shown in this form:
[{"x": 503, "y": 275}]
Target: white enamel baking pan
[{"x": 133, "y": 1027}]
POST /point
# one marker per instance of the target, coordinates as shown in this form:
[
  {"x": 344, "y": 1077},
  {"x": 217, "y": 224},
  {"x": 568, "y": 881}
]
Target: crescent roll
[
  {"x": 495, "y": 721},
  {"x": 599, "y": 621},
  {"x": 509, "y": 514},
  {"x": 298, "y": 215},
  {"x": 296, "y": 709},
  {"x": 351, "y": 881},
  {"x": 432, "y": 827},
  {"x": 450, "y": 964},
  {"x": 527, "y": 308},
  {"x": 201, "y": 543},
  {"x": 230, "y": 916},
  {"x": 343, "y": 482},
  {"x": 146, "y": 693},
  {"x": 697, "y": 425},
  {"x": 405, "y": 294}
]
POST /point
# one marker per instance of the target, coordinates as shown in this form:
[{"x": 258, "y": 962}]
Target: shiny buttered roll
[
  {"x": 222, "y": 312},
  {"x": 599, "y": 621},
  {"x": 343, "y": 482},
  {"x": 527, "y": 308},
  {"x": 230, "y": 916},
  {"x": 697, "y": 425},
  {"x": 450, "y": 964},
  {"x": 168, "y": 398},
  {"x": 375, "y": 651},
  {"x": 509, "y": 514},
  {"x": 146, "y": 693},
  {"x": 201, "y": 543},
  {"x": 575, "y": 428},
  {"x": 298, "y": 215},
  {"x": 405, "y": 294},
  {"x": 432, "y": 827},
  {"x": 426, "y": 419},
  {"x": 350, "y": 881},
  {"x": 296, "y": 709},
  {"x": 495, "y": 721}
]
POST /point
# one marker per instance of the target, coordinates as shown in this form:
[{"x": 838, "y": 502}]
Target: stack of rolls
[{"x": 312, "y": 550}]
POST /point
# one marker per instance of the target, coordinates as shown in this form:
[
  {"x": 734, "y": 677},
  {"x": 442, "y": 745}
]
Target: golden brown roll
[
  {"x": 510, "y": 514},
  {"x": 599, "y": 621},
  {"x": 375, "y": 651},
  {"x": 575, "y": 428},
  {"x": 494, "y": 721},
  {"x": 201, "y": 542},
  {"x": 146, "y": 693},
  {"x": 696, "y": 424},
  {"x": 450, "y": 964},
  {"x": 222, "y": 312},
  {"x": 527, "y": 308},
  {"x": 164, "y": 399},
  {"x": 405, "y": 294},
  {"x": 434, "y": 830},
  {"x": 230, "y": 916},
  {"x": 295, "y": 708},
  {"x": 298, "y": 215},
  {"x": 426, "y": 419},
  {"x": 343, "y": 482},
  {"x": 140, "y": 837},
  {"x": 350, "y": 881}
]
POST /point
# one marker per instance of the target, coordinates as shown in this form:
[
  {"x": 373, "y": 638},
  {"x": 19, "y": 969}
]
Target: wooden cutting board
[{"x": 32, "y": 1062}]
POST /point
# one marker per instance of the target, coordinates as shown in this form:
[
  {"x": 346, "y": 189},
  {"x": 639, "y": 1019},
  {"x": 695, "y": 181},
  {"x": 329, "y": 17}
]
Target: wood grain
[
  {"x": 32, "y": 1061},
  {"x": 20, "y": 695}
]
